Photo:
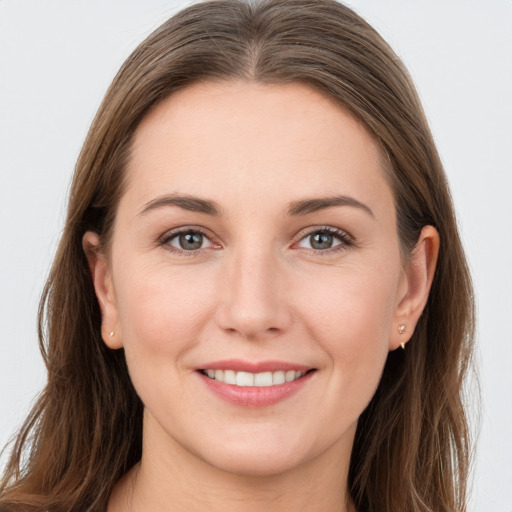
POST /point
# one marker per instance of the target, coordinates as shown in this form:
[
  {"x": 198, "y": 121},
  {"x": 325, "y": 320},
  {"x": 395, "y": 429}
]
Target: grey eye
[
  {"x": 188, "y": 241},
  {"x": 320, "y": 241}
]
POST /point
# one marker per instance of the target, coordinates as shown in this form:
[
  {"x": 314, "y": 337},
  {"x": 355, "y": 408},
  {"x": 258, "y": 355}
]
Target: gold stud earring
[{"x": 401, "y": 330}]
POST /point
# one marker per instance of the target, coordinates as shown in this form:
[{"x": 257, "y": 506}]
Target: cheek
[
  {"x": 352, "y": 308},
  {"x": 161, "y": 309},
  {"x": 350, "y": 316},
  {"x": 162, "y": 312}
]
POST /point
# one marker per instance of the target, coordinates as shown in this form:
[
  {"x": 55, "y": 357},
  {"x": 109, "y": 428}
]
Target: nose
[{"x": 253, "y": 297}]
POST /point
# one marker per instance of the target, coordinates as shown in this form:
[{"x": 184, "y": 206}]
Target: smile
[
  {"x": 246, "y": 379},
  {"x": 251, "y": 384}
]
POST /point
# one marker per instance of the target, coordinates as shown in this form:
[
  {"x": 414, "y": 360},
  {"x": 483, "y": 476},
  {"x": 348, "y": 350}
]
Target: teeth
[
  {"x": 262, "y": 379},
  {"x": 243, "y": 379},
  {"x": 229, "y": 377},
  {"x": 278, "y": 378},
  {"x": 289, "y": 376}
]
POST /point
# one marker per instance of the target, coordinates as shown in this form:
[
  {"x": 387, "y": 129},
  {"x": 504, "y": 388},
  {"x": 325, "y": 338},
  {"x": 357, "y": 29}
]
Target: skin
[{"x": 256, "y": 290}]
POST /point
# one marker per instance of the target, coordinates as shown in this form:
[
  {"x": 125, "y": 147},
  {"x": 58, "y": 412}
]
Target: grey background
[{"x": 56, "y": 61}]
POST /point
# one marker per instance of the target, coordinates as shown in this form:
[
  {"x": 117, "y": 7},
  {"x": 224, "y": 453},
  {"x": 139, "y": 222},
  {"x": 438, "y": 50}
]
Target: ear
[
  {"x": 103, "y": 286},
  {"x": 419, "y": 274}
]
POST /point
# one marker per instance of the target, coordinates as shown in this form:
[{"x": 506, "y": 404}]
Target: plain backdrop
[{"x": 57, "y": 58}]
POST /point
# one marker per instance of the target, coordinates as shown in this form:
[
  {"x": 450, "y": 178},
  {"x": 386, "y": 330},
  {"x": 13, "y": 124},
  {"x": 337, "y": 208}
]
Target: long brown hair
[{"x": 411, "y": 451}]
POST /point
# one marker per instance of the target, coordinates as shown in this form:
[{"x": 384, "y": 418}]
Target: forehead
[{"x": 250, "y": 139}]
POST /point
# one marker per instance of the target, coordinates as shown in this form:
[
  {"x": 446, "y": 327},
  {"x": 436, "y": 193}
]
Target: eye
[
  {"x": 188, "y": 240},
  {"x": 325, "y": 239}
]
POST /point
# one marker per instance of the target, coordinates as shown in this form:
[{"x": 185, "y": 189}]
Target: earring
[
  {"x": 401, "y": 330},
  {"x": 111, "y": 334}
]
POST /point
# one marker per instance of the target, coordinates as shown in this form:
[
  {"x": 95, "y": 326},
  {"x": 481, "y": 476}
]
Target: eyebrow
[
  {"x": 307, "y": 206},
  {"x": 190, "y": 203},
  {"x": 296, "y": 208}
]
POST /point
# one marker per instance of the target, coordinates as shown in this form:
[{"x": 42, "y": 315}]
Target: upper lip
[{"x": 239, "y": 365}]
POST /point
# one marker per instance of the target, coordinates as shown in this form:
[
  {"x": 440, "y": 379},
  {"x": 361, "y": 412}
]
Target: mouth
[
  {"x": 249, "y": 379},
  {"x": 244, "y": 383}
]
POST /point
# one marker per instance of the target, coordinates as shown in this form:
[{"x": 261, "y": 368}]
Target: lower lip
[{"x": 255, "y": 396}]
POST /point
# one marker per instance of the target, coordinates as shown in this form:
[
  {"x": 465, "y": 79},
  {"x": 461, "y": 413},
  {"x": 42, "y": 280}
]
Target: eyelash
[
  {"x": 170, "y": 235},
  {"x": 346, "y": 240}
]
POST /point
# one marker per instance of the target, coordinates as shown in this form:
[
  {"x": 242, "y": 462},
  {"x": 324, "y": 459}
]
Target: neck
[{"x": 176, "y": 477}]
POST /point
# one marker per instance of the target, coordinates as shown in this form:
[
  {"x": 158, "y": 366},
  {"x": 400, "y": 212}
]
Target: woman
[{"x": 259, "y": 220}]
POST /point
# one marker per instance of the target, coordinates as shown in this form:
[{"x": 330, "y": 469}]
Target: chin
[
  {"x": 254, "y": 462},
  {"x": 262, "y": 452}
]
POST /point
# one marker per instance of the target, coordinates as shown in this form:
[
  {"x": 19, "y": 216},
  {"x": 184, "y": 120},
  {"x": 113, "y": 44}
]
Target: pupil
[
  {"x": 191, "y": 241},
  {"x": 321, "y": 241}
]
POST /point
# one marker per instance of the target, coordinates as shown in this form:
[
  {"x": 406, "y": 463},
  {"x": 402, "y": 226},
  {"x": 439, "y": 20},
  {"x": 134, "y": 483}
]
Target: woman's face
[{"x": 256, "y": 239}]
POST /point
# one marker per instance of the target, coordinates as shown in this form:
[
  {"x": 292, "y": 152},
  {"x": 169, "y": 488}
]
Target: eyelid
[
  {"x": 173, "y": 233},
  {"x": 345, "y": 238}
]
